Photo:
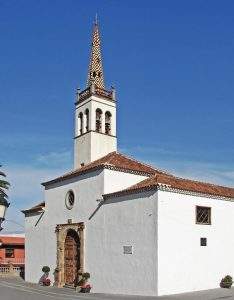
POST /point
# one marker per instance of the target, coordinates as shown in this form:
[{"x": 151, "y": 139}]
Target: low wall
[{"x": 11, "y": 270}]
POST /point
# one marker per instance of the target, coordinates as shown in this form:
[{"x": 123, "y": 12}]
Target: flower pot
[{"x": 226, "y": 285}]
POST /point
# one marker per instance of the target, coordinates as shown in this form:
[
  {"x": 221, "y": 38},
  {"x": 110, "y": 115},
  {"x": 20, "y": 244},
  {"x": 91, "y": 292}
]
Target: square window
[
  {"x": 127, "y": 249},
  {"x": 9, "y": 253},
  {"x": 203, "y": 215},
  {"x": 203, "y": 241}
]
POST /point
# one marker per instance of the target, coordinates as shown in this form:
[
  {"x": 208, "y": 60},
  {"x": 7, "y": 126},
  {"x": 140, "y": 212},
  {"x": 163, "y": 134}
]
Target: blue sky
[{"x": 171, "y": 62}]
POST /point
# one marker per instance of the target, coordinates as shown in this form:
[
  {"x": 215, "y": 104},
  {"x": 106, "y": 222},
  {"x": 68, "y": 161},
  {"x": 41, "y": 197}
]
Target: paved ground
[{"x": 16, "y": 289}]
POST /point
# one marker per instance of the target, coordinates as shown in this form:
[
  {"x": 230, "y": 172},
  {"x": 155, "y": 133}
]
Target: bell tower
[{"x": 95, "y": 112}]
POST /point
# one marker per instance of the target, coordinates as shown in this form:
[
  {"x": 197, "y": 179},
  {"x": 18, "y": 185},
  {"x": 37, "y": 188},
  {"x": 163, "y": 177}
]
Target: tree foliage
[{"x": 4, "y": 186}]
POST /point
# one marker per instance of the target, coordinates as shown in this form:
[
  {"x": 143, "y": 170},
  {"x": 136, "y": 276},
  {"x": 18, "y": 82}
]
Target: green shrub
[
  {"x": 46, "y": 269},
  {"x": 86, "y": 275},
  {"x": 81, "y": 282},
  {"x": 226, "y": 282}
]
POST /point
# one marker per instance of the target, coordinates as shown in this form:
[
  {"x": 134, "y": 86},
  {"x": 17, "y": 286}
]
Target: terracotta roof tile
[
  {"x": 35, "y": 208},
  {"x": 11, "y": 240},
  {"x": 113, "y": 160},
  {"x": 177, "y": 183}
]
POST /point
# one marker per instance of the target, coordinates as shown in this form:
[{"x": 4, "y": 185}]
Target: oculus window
[{"x": 70, "y": 199}]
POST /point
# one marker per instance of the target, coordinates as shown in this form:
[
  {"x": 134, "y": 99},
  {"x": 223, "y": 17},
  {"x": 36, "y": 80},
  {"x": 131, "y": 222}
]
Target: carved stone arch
[{"x": 61, "y": 232}]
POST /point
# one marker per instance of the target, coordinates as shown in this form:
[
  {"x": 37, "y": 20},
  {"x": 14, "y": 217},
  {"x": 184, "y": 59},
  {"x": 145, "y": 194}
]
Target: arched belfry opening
[
  {"x": 81, "y": 123},
  {"x": 87, "y": 119},
  {"x": 107, "y": 122},
  {"x": 70, "y": 253},
  {"x": 98, "y": 120}
]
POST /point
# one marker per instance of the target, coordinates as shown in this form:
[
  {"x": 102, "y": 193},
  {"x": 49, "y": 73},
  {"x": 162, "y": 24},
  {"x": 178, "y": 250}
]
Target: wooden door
[{"x": 71, "y": 257}]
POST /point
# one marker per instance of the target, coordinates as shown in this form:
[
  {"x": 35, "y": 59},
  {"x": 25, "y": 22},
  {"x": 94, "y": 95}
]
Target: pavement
[{"x": 17, "y": 289}]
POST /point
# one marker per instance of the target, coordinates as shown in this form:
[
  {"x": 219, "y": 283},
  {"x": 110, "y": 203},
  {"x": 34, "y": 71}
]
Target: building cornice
[
  {"x": 77, "y": 136},
  {"x": 164, "y": 188},
  {"x": 95, "y": 168},
  {"x": 193, "y": 193}
]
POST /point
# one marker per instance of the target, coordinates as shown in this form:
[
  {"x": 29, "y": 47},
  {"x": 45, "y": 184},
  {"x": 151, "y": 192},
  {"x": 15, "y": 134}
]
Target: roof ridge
[
  {"x": 154, "y": 181},
  {"x": 116, "y": 160},
  {"x": 143, "y": 163},
  {"x": 192, "y": 180},
  {"x": 203, "y": 182}
]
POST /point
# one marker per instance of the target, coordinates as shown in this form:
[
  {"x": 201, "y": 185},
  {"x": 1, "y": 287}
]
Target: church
[{"x": 136, "y": 229}]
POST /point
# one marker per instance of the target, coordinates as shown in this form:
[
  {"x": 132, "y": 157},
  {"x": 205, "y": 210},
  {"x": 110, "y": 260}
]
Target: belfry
[{"x": 95, "y": 112}]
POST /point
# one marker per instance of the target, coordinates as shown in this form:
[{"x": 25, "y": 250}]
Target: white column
[
  {"x": 84, "y": 122},
  {"x": 103, "y": 122},
  {"x": 77, "y": 123},
  {"x": 92, "y": 118}
]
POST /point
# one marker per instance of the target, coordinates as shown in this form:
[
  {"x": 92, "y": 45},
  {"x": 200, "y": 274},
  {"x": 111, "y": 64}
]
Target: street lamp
[{"x": 3, "y": 207}]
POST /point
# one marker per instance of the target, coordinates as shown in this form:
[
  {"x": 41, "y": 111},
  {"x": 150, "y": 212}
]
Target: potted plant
[
  {"x": 226, "y": 282},
  {"x": 84, "y": 286},
  {"x": 44, "y": 280}
]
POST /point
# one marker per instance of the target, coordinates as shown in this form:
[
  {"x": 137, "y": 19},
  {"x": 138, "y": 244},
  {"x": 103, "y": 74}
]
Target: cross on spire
[{"x": 95, "y": 73}]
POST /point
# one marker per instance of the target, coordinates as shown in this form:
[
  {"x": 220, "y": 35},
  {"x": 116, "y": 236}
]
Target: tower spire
[{"x": 95, "y": 73}]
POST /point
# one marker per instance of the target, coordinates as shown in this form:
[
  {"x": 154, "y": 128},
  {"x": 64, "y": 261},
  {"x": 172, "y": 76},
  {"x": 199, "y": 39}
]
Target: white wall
[
  {"x": 88, "y": 188},
  {"x": 92, "y": 145},
  {"x": 116, "y": 181},
  {"x": 129, "y": 221},
  {"x": 41, "y": 240},
  {"x": 183, "y": 264},
  {"x": 36, "y": 247}
]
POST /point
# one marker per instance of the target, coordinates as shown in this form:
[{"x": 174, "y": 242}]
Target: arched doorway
[{"x": 71, "y": 257}]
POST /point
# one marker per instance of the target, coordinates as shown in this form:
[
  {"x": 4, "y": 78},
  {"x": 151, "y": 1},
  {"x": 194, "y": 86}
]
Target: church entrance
[
  {"x": 70, "y": 253},
  {"x": 71, "y": 257}
]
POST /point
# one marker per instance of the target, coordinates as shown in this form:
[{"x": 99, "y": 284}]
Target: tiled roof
[
  {"x": 176, "y": 183},
  {"x": 35, "y": 208},
  {"x": 115, "y": 161},
  {"x": 10, "y": 240}
]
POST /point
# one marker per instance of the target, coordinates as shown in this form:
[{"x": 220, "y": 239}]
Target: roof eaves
[
  {"x": 130, "y": 191},
  {"x": 101, "y": 166},
  {"x": 72, "y": 175},
  {"x": 37, "y": 208},
  {"x": 165, "y": 187},
  {"x": 127, "y": 170},
  {"x": 32, "y": 210}
]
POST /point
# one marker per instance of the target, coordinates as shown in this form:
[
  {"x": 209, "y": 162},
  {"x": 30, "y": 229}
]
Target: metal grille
[
  {"x": 203, "y": 242},
  {"x": 127, "y": 249},
  {"x": 203, "y": 215}
]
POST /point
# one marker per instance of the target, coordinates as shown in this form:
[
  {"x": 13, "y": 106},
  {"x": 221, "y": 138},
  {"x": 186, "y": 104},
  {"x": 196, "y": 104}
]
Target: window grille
[
  {"x": 203, "y": 215},
  {"x": 127, "y": 249},
  {"x": 203, "y": 242}
]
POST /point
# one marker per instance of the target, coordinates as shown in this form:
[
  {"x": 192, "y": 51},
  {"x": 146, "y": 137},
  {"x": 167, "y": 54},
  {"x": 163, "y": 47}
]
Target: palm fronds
[{"x": 4, "y": 185}]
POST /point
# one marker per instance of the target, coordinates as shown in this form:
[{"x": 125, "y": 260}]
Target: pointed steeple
[{"x": 95, "y": 73}]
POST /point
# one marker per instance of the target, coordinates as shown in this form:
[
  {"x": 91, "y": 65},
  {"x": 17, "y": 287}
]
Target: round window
[{"x": 70, "y": 199}]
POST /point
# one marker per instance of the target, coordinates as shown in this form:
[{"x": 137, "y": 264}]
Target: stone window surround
[{"x": 61, "y": 232}]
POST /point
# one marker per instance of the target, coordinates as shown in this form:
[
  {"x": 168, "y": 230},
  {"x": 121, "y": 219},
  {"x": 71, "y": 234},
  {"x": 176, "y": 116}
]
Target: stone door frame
[{"x": 61, "y": 232}]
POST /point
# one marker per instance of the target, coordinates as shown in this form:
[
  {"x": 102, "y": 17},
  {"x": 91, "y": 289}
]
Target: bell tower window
[
  {"x": 107, "y": 122},
  {"x": 87, "y": 120},
  {"x": 81, "y": 122},
  {"x": 98, "y": 120}
]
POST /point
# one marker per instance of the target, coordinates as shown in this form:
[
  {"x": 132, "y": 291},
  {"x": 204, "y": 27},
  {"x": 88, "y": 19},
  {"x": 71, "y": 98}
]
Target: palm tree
[{"x": 4, "y": 185}]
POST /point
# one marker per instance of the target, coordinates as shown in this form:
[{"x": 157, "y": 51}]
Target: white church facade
[{"x": 136, "y": 229}]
